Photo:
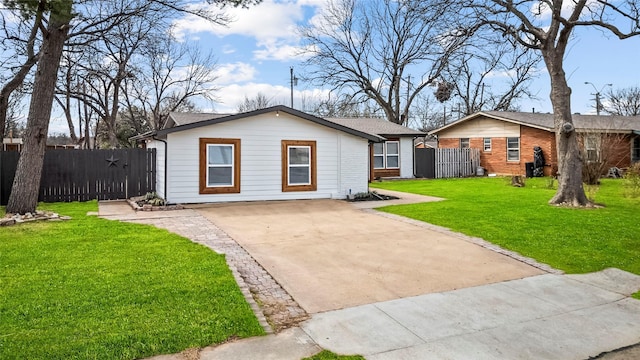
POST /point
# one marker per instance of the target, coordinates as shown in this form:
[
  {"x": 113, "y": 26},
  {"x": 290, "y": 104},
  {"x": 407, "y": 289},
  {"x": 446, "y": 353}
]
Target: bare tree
[
  {"x": 548, "y": 26},
  {"x": 490, "y": 74},
  {"x": 21, "y": 52},
  {"x": 87, "y": 19},
  {"x": 168, "y": 75},
  {"x": 370, "y": 48},
  {"x": 260, "y": 101},
  {"x": 624, "y": 102},
  {"x": 24, "y": 192}
]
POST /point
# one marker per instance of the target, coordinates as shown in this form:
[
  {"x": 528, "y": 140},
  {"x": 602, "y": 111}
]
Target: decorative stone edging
[
  {"x": 12, "y": 219},
  {"x": 149, "y": 207}
]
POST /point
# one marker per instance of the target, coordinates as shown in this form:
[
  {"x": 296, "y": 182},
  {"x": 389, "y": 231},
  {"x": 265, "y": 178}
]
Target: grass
[
  {"x": 328, "y": 355},
  {"x": 519, "y": 219},
  {"x": 91, "y": 288}
]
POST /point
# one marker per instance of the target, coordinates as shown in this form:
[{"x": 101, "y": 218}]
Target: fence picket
[
  {"x": 83, "y": 175},
  {"x": 456, "y": 162}
]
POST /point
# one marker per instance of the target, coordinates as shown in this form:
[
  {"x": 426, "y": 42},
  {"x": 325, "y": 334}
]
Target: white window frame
[
  {"x": 380, "y": 155},
  {"x": 513, "y": 149},
  {"x": 387, "y": 154},
  {"x": 591, "y": 147},
  {"x": 486, "y": 146},
  {"x": 290, "y": 165},
  {"x": 232, "y": 165},
  {"x": 464, "y": 143}
]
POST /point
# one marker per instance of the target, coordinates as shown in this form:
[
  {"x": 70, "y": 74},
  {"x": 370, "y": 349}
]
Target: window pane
[
  {"x": 378, "y": 162},
  {"x": 392, "y": 148},
  {"x": 220, "y": 154},
  {"x": 378, "y": 148},
  {"x": 392, "y": 161},
  {"x": 464, "y": 143},
  {"x": 487, "y": 144},
  {"x": 513, "y": 155},
  {"x": 220, "y": 176},
  {"x": 299, "y": 175},
  {"x": 299, "y": 155},
  {"x": 513, "y": 143}
]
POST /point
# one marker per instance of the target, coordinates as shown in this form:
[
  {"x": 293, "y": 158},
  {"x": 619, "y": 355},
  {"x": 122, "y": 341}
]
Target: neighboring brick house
[{"x": 506, "y": 139}]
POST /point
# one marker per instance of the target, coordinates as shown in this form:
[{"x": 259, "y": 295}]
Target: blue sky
[{"x": 256, "y": 51}]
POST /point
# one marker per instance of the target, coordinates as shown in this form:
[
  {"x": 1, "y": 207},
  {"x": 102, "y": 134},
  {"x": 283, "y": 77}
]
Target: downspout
[
  {"x": 166, "y": 157},
  {"x": 413, "y": 142}
]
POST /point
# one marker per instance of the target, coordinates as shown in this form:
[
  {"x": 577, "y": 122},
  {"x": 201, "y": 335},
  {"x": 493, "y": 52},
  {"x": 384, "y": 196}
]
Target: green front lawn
[
  {"x": 519, "y": 219},
  {"x": 91, "y": 288}
]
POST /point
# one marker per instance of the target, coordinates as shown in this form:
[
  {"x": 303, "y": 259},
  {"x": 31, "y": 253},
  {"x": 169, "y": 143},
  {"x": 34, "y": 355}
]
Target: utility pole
[
  {"x": 293, "y": 82},
  {"x": 597, "y": 94}
]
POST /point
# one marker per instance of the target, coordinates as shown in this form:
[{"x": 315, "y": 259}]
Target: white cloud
[
  {"x": 234, "y": 73},
  {"x": 273, "y": 24},
  {"x": 228, "y": 49},
  {"x": 266, "y": 21}
]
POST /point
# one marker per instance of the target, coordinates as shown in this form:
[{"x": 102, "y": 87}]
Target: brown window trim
[
  {"x": 285, "y": 166},
  {"x": 204, "y": 189}
]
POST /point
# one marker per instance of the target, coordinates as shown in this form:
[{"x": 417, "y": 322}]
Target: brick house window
[
  {"x": 219, "y": 166},
  {"x": 635, "y": 149},
  {"x": 464, "y": 143},
  {"x": 591, "y": 143},
  {"x": 386, "y": 155},
  {"x": 513, "y": 149},
  {"x": 486, "y": 144}
]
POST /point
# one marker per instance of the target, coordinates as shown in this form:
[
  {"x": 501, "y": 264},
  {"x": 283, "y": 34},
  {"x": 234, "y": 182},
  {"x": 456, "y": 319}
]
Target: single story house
[
  {"x": 506, "y": 139},
  {"x": 276, "y": 153}
]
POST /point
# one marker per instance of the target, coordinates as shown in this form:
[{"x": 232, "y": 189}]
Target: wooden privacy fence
[
  {"x": 82, "y": 175},
  {"x": 446, "y": 163}
]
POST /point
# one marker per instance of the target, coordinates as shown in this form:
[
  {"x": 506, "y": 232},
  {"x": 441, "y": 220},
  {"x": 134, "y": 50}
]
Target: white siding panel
[
  {"x": 159, "y": 146},
  {"x": 354, "y": 166},
  {"x": 260, "y": 165},
  {"x": 406, "y": 157},
  {"x": 482, "y": 127}
]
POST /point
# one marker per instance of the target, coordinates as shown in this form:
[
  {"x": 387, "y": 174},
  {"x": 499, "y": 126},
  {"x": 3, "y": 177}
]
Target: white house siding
[
  {"x": 160, "y": 155},
  {"x": 481, "y": 128},
  {"x": 406, "y": 157},
  {"x": 354, "y": 165},
  {"x": 261, "y": 159}
]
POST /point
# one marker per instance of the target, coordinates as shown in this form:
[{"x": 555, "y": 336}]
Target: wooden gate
[
  {"x": 83, "y": 175},
  {"x": 456, "y": 162}
]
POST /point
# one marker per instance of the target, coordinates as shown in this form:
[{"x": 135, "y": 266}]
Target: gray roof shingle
[
  {"x": 376, "y": 126},
  {"x": 545, "y": 121}
]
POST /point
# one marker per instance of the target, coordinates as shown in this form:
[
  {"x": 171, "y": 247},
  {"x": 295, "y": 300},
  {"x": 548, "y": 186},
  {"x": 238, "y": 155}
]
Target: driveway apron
[{"x": 330, "y": 255}]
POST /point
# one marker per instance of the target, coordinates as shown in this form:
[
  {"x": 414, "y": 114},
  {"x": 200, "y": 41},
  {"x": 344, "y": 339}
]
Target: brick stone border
[{"x": 275, "y": 309}]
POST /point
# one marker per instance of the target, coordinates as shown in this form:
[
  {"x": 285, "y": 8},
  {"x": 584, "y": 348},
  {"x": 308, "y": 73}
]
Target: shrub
[{"x": 631, "y": 182}]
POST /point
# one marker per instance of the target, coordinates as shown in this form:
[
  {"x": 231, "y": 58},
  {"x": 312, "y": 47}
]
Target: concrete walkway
[{"x": 564, "y": 317}]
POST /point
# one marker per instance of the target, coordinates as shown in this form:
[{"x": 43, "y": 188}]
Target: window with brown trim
[
  {"x": 299, "y": 165},
  {"x": 219, "y": 166}
]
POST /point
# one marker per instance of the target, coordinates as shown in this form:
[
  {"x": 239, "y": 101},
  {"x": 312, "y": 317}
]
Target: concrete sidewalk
[{"x": 543, "y": 317}]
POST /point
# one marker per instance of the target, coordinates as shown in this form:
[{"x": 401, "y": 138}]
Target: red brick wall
[{"x": 495, "y": 161}]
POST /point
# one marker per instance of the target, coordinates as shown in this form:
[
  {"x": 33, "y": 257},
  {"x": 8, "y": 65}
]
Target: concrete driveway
[{"x": 330, "y": 255}]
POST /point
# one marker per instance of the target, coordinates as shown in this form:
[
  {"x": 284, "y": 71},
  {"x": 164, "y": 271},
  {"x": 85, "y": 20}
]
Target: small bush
[{"x": 631, "y": 182}]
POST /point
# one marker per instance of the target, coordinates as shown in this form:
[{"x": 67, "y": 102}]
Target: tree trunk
[
  {"x": 570, "y": 190},
  {"x": 24, "y": 192}
]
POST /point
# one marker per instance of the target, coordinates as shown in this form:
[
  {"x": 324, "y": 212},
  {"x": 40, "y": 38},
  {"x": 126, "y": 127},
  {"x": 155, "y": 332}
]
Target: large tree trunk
[
  {"x": 570, "y": 190},
  {"x": 24, "y": 192}
]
